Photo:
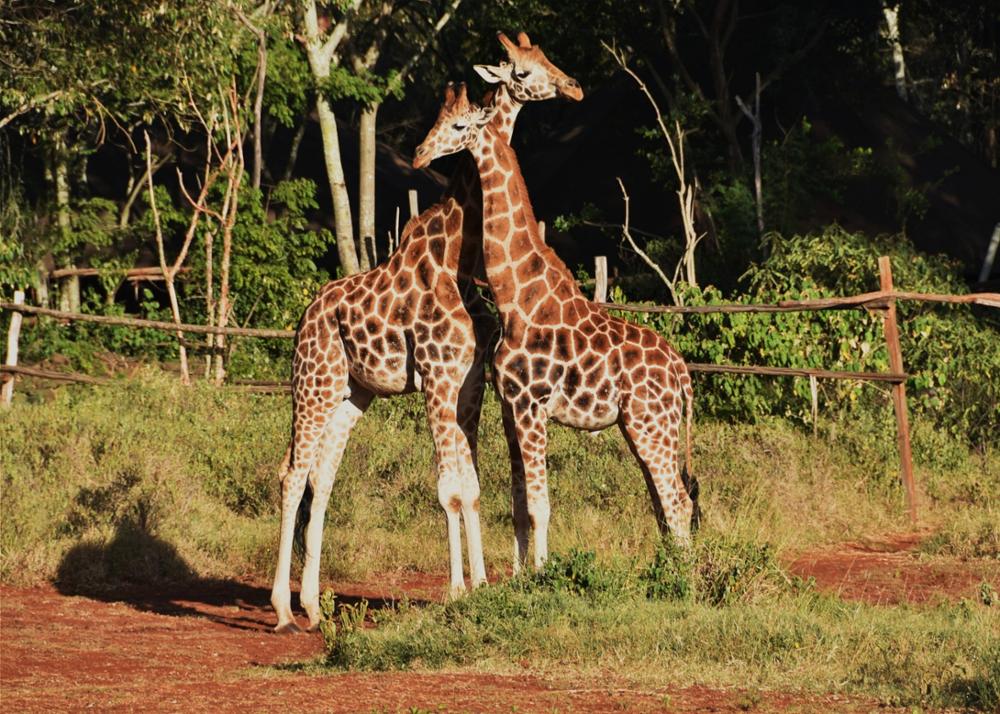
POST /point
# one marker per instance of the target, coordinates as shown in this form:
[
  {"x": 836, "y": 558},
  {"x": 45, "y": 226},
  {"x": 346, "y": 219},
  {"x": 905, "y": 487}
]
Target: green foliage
[
  {"x": 577, "y": 573},
  {"x": 717, "y": 571},
  {"x": 366, "y": 88},
  {"x": 669, "y": 575},
  {"x": 804, "y": 169},
  {"x": 89, "y": 347},
  {"x": 350, "y": 616},
  {"x": 953, "y": 355},
  {"x": 936, "y": 657}
]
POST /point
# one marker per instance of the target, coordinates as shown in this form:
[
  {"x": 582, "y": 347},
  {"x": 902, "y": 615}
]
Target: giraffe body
[
  {"x": 560, "y": 356},
  {"x": 415, "y": 323}
]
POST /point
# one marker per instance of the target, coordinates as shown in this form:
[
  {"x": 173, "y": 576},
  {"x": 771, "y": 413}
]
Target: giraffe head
[
  {"x": 529, "y": 75},
  {"x": 457, "y": 127}
]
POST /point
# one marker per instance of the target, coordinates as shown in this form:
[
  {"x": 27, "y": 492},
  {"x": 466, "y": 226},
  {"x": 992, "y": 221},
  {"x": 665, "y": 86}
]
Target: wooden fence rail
[
  {"x": 882, "y": 301},
  {"x": 151, "y": 324}
]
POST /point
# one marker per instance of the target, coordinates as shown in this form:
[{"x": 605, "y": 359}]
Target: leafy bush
[
  {"x": 577, "y": 573},
  {"x": 952, "y": 354}
]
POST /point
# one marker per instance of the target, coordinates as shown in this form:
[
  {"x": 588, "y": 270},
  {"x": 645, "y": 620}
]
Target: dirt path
[
  {"x": 208, "y": 647},
  {"x": 889, "y": 570}
]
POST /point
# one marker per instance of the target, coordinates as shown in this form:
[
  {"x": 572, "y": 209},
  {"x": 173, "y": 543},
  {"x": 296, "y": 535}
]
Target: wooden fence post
[
  {"x": 891, "y": 329},
  {"x": 414, "y": 206},
  {"x": 13, "y": 332},
  {"x": 601, "y": 278},
  {"x": 814, "y": 399}
]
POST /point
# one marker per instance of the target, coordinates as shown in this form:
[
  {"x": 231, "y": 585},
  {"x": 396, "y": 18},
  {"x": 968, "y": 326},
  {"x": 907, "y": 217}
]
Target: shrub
[{"x": 952, "y": 354}]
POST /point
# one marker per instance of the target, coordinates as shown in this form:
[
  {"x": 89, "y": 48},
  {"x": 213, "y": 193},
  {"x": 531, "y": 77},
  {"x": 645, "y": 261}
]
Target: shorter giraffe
[{"x": 560, "y": 355}]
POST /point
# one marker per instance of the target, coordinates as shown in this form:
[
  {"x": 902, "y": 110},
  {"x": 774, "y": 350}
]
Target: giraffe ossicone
[
  {"x": 561, "y": 356},
  {"x": 415, "y": 323}
]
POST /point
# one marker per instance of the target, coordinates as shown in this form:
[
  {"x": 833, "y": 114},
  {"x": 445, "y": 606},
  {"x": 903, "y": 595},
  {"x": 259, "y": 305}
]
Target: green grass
[
  {"x": 145, "y": 480},
  {"x": 195, "y": 469},
  {"x": 943, "y": 656}
]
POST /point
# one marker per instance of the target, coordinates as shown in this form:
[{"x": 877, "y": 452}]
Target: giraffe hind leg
[{"x": 320, "y": 484}]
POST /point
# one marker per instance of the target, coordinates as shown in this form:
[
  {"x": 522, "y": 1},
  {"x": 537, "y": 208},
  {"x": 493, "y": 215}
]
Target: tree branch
[
  {"x": 28, "y": 106},
  {"x": 626, "y": 233}
]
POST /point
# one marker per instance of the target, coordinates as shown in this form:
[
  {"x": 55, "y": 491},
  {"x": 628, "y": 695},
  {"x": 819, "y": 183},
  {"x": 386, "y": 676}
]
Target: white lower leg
[
  {"x": 474, "y": 539},
  {"x": 309, "y": 595},
  {"x": 538, "y": 509},
  {"x": 281, "y": 596},
  {"x": 455, "y": 552},
  {"x": 335, "y": 438}
]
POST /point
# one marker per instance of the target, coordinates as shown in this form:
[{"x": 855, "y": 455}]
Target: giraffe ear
[
  {"x": 494, "y": 74},
  {"x": 484, "y": 116},
  {"x": 523, "y": 40},
  {"x": 505, "y": 41}
]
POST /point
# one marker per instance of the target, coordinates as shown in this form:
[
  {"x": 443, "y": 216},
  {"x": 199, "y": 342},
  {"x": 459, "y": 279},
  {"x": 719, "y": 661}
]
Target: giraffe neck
[
  {"x": 464, "y": 183},
  {"x": 520, "y": 267}
]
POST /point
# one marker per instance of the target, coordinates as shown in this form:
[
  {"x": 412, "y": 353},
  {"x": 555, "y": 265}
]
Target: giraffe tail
[
  {"x": 302, "y": 520},
  {"x": 687, "y": 476},
  {"x": 689, "y": 407}
]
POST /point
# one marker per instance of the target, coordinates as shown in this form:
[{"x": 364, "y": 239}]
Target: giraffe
[
  {"x": 415, "y": 323},
  {"x": 560, "y": 356}
]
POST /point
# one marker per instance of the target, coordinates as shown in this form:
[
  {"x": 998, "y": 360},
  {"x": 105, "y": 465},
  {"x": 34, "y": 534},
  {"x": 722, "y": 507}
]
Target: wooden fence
[{"x": 882, "y": 302}]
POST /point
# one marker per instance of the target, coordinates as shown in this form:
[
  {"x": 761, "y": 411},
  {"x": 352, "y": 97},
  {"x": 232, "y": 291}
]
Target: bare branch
[
  {"x": 138, "y": 188},
  {"x": 168, "y": 275},
  {"x": 258, "y": 152},
  {"x": 640, "y": 252},
  {"x": 426, "y": 40}
]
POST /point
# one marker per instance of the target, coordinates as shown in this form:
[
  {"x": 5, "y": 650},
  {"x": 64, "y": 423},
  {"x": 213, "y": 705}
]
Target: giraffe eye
[
  {"x": 520, "y": 73},
  {"x": 458, "y": 126}
]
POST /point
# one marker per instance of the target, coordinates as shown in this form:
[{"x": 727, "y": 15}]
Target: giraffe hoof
[
  {"x": 287, "y": 628},
  {"x": 313, "y": 627}
]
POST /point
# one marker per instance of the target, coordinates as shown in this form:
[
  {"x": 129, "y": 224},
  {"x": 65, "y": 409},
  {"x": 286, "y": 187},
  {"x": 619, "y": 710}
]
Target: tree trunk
[
  {"x": 258, "y": 123},
  {"x": 366, "y": 185},
  {"x": 69, "y": 294},
  {"x": 891, "y": 14},
  {"x": 41, "y": 284},
  {"x": 343, "y": 223},
  {"x": 209, "y": 302},
  {"x": 320, "y": 49}
]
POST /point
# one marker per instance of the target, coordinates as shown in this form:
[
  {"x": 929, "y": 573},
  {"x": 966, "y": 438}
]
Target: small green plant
[
  {"x": 351, "y": 617},
  {"x": 578, "y": 573},
  {"x": 748, "y": 700},
  {"x": 669, "y": 575},
  {"x": 731, "y": 571},
  {"x": 987, "y": 595}
]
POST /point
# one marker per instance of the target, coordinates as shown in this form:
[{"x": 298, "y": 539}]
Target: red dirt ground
[
  {"x": 208, "y": 647},
  {"x": 889, "y": 571}
]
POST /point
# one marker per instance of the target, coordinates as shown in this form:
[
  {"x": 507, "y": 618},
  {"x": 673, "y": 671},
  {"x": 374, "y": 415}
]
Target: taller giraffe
[
  {"x": 560, "y": 355},
  {"x": 414, "y": 323}
]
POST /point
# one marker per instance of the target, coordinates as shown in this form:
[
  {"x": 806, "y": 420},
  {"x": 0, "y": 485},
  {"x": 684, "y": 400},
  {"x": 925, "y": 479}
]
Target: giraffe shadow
[{"x": 146, "y": 573}]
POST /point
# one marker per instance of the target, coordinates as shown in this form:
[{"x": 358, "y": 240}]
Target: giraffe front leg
[
  {"x": 469, "y": 410},
  {"x": 441, "y": 400},
  {"x": 532, "y": 440},
  {"x": 518, "y": 492}
]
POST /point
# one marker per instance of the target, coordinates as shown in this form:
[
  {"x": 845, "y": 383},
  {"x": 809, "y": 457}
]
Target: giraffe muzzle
[
  {"x": 421, "y": 158},
  {"x": 571, "y": 89}
]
